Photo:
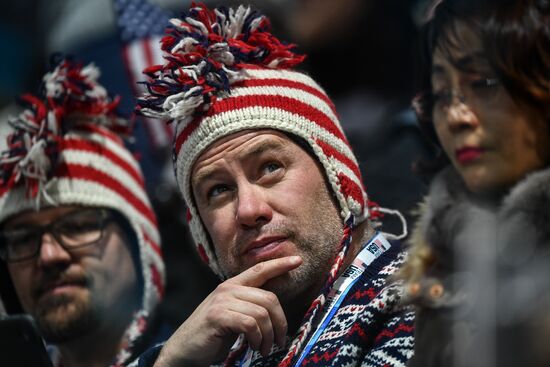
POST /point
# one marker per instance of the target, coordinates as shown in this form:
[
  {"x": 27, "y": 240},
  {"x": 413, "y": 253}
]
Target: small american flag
[{"x": 141, "y": 26}]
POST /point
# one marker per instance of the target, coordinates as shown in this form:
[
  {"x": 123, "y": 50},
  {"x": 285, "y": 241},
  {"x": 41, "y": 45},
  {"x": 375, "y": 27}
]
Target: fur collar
[
  {"x": 460, "y": 239},
  {"x": 518, "y": 225},
  {"x": 489, "y": 263}
]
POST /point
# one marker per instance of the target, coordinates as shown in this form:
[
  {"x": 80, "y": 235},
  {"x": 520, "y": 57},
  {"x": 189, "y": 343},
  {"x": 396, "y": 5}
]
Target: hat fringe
[
  {"x": 204, "y": 52},
  {"x": 401, "y": 218},
  {"x": 70, "y": 93},
  {"x": 319, "y": 302}
]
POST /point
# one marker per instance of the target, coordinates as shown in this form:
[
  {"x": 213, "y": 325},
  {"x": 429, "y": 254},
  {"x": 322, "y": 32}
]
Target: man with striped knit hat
[
  {"x": 276, "y": 206},
  {"x": 79, "y": 244}
]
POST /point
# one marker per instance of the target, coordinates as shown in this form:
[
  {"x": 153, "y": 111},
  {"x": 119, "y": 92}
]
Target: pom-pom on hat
[
  {"x": 225, "y": 72},
  {"x": 65, "y": 149}
]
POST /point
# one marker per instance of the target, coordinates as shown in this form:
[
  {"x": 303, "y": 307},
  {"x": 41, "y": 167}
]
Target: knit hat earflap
[{"x": 224, "y": 73}]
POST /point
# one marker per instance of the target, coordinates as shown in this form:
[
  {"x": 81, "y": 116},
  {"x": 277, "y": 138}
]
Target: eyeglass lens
[{"x": 73, "y": 230}]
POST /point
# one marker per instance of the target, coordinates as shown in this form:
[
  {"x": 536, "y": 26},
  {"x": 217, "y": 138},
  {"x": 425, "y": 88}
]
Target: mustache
[
  {"x": 272, "y": 229},
  {"x": 59, "y": 279}
]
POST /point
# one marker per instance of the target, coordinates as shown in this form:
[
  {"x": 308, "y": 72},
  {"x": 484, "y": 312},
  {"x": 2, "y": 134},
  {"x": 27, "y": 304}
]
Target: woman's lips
[{"x": 468, "y": 154}]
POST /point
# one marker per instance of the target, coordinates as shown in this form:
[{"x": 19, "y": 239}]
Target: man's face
[
  {"x": 261, "y": 196},
  {"x": 71, "y": 293}
]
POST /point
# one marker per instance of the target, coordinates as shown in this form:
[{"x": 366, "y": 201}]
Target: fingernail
[{"x": 295, "y": 259}]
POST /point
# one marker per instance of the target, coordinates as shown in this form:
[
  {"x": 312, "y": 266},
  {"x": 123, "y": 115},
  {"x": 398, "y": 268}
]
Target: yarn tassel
[
  {"x": 205, "y": 52},
  {"x": 318, "y": 304},
  {"x": 70, "y": 93}
]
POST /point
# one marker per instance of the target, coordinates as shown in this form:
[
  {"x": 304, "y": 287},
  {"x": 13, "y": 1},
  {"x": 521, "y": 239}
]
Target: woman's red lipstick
[{"x": 468, "y": 154}]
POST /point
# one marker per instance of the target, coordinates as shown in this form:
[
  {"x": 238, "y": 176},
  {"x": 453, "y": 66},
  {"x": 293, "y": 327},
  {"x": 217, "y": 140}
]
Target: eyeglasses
[
  {"x": 475, "y": 92},
  {"x": 74, "y": 230},
  {"x": 482, "y": 89}
]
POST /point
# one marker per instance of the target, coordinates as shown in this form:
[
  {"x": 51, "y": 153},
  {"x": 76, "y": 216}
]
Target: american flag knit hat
[
  {"x": 225, "y": 72},
  {"x": 65, "y": 148}
]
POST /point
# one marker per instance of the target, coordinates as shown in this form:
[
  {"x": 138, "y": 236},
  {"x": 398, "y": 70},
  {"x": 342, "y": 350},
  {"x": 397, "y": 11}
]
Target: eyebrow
[
  {"x": 260, "y": 148},
  {"x": 465, "y": 63},
  {"x": 257, "y": 149},
  {"x": 473, "y": 59}
]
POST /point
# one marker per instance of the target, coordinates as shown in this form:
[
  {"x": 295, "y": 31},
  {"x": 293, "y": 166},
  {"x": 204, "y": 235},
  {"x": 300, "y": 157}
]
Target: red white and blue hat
[
  {"x": 224, "y": 72},
  {"x": 65, "y": 148}
]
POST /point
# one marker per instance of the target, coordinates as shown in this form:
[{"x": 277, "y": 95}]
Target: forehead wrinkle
[
  {"x": 255, "y": 149},
  {"x": 261, "y": 147}
]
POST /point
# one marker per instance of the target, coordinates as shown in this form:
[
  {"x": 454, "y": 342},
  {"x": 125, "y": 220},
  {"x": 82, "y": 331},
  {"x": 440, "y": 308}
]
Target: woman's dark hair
[{"x": 515, "y": 36}]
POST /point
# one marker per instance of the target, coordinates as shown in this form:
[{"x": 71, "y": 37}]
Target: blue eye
[
  {"x": 271, "y": 167},
  {"x": 217, "y": 190}
]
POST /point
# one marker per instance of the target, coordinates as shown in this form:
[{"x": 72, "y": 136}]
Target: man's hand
[{"x": 237, "y": 306}]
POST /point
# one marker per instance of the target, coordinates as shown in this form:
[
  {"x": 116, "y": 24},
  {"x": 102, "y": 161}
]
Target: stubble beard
[
  {"x": 316, "y": 241},
  {"x": 317, "y": 244},
  {"x": 299, "y": 286},
  {"x": 66, "y": 317}
]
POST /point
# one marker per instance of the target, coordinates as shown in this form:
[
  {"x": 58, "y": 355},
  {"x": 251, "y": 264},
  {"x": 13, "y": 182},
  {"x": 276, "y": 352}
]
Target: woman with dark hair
[{"x": 479, "y": 267}]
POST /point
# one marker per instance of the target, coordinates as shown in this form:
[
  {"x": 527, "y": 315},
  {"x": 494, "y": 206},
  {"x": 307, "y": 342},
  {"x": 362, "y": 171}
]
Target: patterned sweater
[{"x": 369, "y": 328}]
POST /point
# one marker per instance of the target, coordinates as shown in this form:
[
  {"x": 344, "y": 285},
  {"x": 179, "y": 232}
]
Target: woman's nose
[{"x": 460, "y": 114}]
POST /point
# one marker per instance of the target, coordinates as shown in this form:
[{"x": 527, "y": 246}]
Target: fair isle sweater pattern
[{"x": 369, "y": 329}]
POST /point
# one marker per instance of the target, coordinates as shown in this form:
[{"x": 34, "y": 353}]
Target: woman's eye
[
  {"x": 484, "y": 83},
  {"x": 442, "y": 97},
  {"x": 484, "y": 88}
]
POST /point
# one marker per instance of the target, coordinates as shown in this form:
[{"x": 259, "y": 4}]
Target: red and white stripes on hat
[
  {"x": 64, "y": 149},
  {"x": 282, "y": 100},
  {"x": 225, "y": 72}
]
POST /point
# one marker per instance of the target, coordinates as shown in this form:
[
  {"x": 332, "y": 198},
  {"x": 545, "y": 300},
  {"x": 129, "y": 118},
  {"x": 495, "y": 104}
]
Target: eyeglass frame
[
  {"x": 106, "y": 218},
  {"x": 424, "y": 103}
]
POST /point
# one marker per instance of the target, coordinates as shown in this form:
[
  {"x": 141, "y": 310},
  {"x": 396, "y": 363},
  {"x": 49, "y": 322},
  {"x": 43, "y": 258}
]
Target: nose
[
  {"x": 51, "y": 252},
  {"x": 460, "y": 115},
  {"x": 253, "y": 208}
]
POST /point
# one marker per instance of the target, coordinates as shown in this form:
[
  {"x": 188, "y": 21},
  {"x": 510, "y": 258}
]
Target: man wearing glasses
[{"x": 79, "y": 244}]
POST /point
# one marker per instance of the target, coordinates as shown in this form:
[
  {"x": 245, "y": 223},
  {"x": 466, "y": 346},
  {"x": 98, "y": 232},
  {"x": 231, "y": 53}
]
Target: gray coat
[{"x": 479, "y": 275}]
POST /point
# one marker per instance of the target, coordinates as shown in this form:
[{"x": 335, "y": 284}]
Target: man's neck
[
  {"x": 360, "y": 236},
  {"x": 294, "y": 313}
]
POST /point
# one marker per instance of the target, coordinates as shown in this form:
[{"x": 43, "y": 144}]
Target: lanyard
[{"x": 374, "y": 248}]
